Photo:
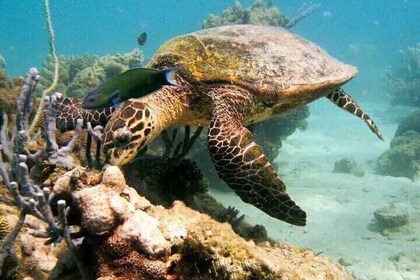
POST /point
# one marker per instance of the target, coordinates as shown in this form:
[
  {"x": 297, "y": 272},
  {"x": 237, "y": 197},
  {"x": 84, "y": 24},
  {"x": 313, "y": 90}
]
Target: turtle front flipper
[
  {"x": 340, "y": 98},
  {"x": 241, "y": 163}
]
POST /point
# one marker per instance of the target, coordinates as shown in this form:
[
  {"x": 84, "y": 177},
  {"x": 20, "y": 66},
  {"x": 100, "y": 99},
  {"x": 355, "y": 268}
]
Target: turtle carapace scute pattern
[{"x": 230, "y": 77}]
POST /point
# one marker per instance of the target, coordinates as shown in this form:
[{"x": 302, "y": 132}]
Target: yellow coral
[{"x": 4, "y": 227}]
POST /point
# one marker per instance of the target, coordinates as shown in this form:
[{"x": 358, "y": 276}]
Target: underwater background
[{"x": 343, "y": 202}]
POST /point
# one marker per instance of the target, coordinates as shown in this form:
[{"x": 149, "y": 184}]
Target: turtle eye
[{"x": 122, "y": 137}]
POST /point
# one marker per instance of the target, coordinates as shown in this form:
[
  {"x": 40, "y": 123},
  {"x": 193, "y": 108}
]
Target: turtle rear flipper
[
  {"x": 340, "y": 98},
  {"x": 241, "y": 163}
]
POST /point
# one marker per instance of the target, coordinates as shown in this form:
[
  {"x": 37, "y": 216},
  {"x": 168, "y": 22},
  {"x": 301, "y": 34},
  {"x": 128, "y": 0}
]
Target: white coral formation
[{"x": 142, "y": 229}]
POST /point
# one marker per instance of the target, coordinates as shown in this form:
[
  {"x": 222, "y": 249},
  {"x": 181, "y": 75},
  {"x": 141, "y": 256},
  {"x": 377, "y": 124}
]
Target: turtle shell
[{"x": 260, "y": 58}]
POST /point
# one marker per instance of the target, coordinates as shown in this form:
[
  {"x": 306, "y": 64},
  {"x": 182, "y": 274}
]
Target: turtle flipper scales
[
  {"x": 241, "y": 163},
  {"x": 340, "y": 98}
]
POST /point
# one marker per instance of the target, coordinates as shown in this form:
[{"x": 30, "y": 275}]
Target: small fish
[
  {"x": 133, "y": 83},
  {"x": 142, "y": 39}
]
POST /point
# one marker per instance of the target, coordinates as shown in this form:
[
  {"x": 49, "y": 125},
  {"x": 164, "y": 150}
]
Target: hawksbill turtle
[{"x": 230, "y": 77}]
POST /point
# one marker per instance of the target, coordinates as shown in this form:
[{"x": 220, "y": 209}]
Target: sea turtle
[{"x": 230, "y": 77}]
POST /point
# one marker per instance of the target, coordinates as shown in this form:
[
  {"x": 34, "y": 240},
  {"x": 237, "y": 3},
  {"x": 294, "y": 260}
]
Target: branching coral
[
  {"x": 27, "y": 196},
  {"x": 404, "y": 82}
]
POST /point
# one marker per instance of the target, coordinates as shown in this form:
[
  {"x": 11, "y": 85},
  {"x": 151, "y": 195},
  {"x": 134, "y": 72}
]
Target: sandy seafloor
[{"x": 340, "y": 206}]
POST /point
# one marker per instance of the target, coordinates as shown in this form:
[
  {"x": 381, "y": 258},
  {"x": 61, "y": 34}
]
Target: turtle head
[{"x": 130, "y": 129}]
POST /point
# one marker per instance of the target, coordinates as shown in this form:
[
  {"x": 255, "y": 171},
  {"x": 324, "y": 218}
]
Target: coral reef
[
  {"x": 404, "y": 82},
  {"x": 411, "y": 122},
  {"x": 403, "y": 157},
  {"x": 260, "y": 13},
  {"x": 177, "y": 243},
  {"x": 79, "y": 74},
  {"x": 9, "y": 92},
  {"x": 27, "y": 196}
]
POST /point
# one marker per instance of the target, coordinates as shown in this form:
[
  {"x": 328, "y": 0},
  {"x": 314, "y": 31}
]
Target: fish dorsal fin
[{"x": 170, "y": 76}]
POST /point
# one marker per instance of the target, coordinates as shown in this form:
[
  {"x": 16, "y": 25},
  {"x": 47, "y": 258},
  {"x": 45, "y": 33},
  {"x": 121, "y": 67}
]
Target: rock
[
  {"x": 94, "y": 204},
  {"x": 143, "y": 231},
  {"x": 411, "y": 122},
  {"x": 113, "y": 177},
  {"x": 403, "y": 157},
  {"x": 392, "y": 216},
  {"x": 349, "y": 166}
]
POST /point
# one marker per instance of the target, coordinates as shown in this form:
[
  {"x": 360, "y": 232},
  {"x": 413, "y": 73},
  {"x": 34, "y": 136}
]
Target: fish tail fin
[{"x": 170, "y": 76}]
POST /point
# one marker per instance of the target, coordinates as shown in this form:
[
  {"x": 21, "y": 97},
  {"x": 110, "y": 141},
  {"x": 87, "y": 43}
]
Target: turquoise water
[
  {"x": 113, "y": 26},
  {"x": 366, "y": 33}
]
